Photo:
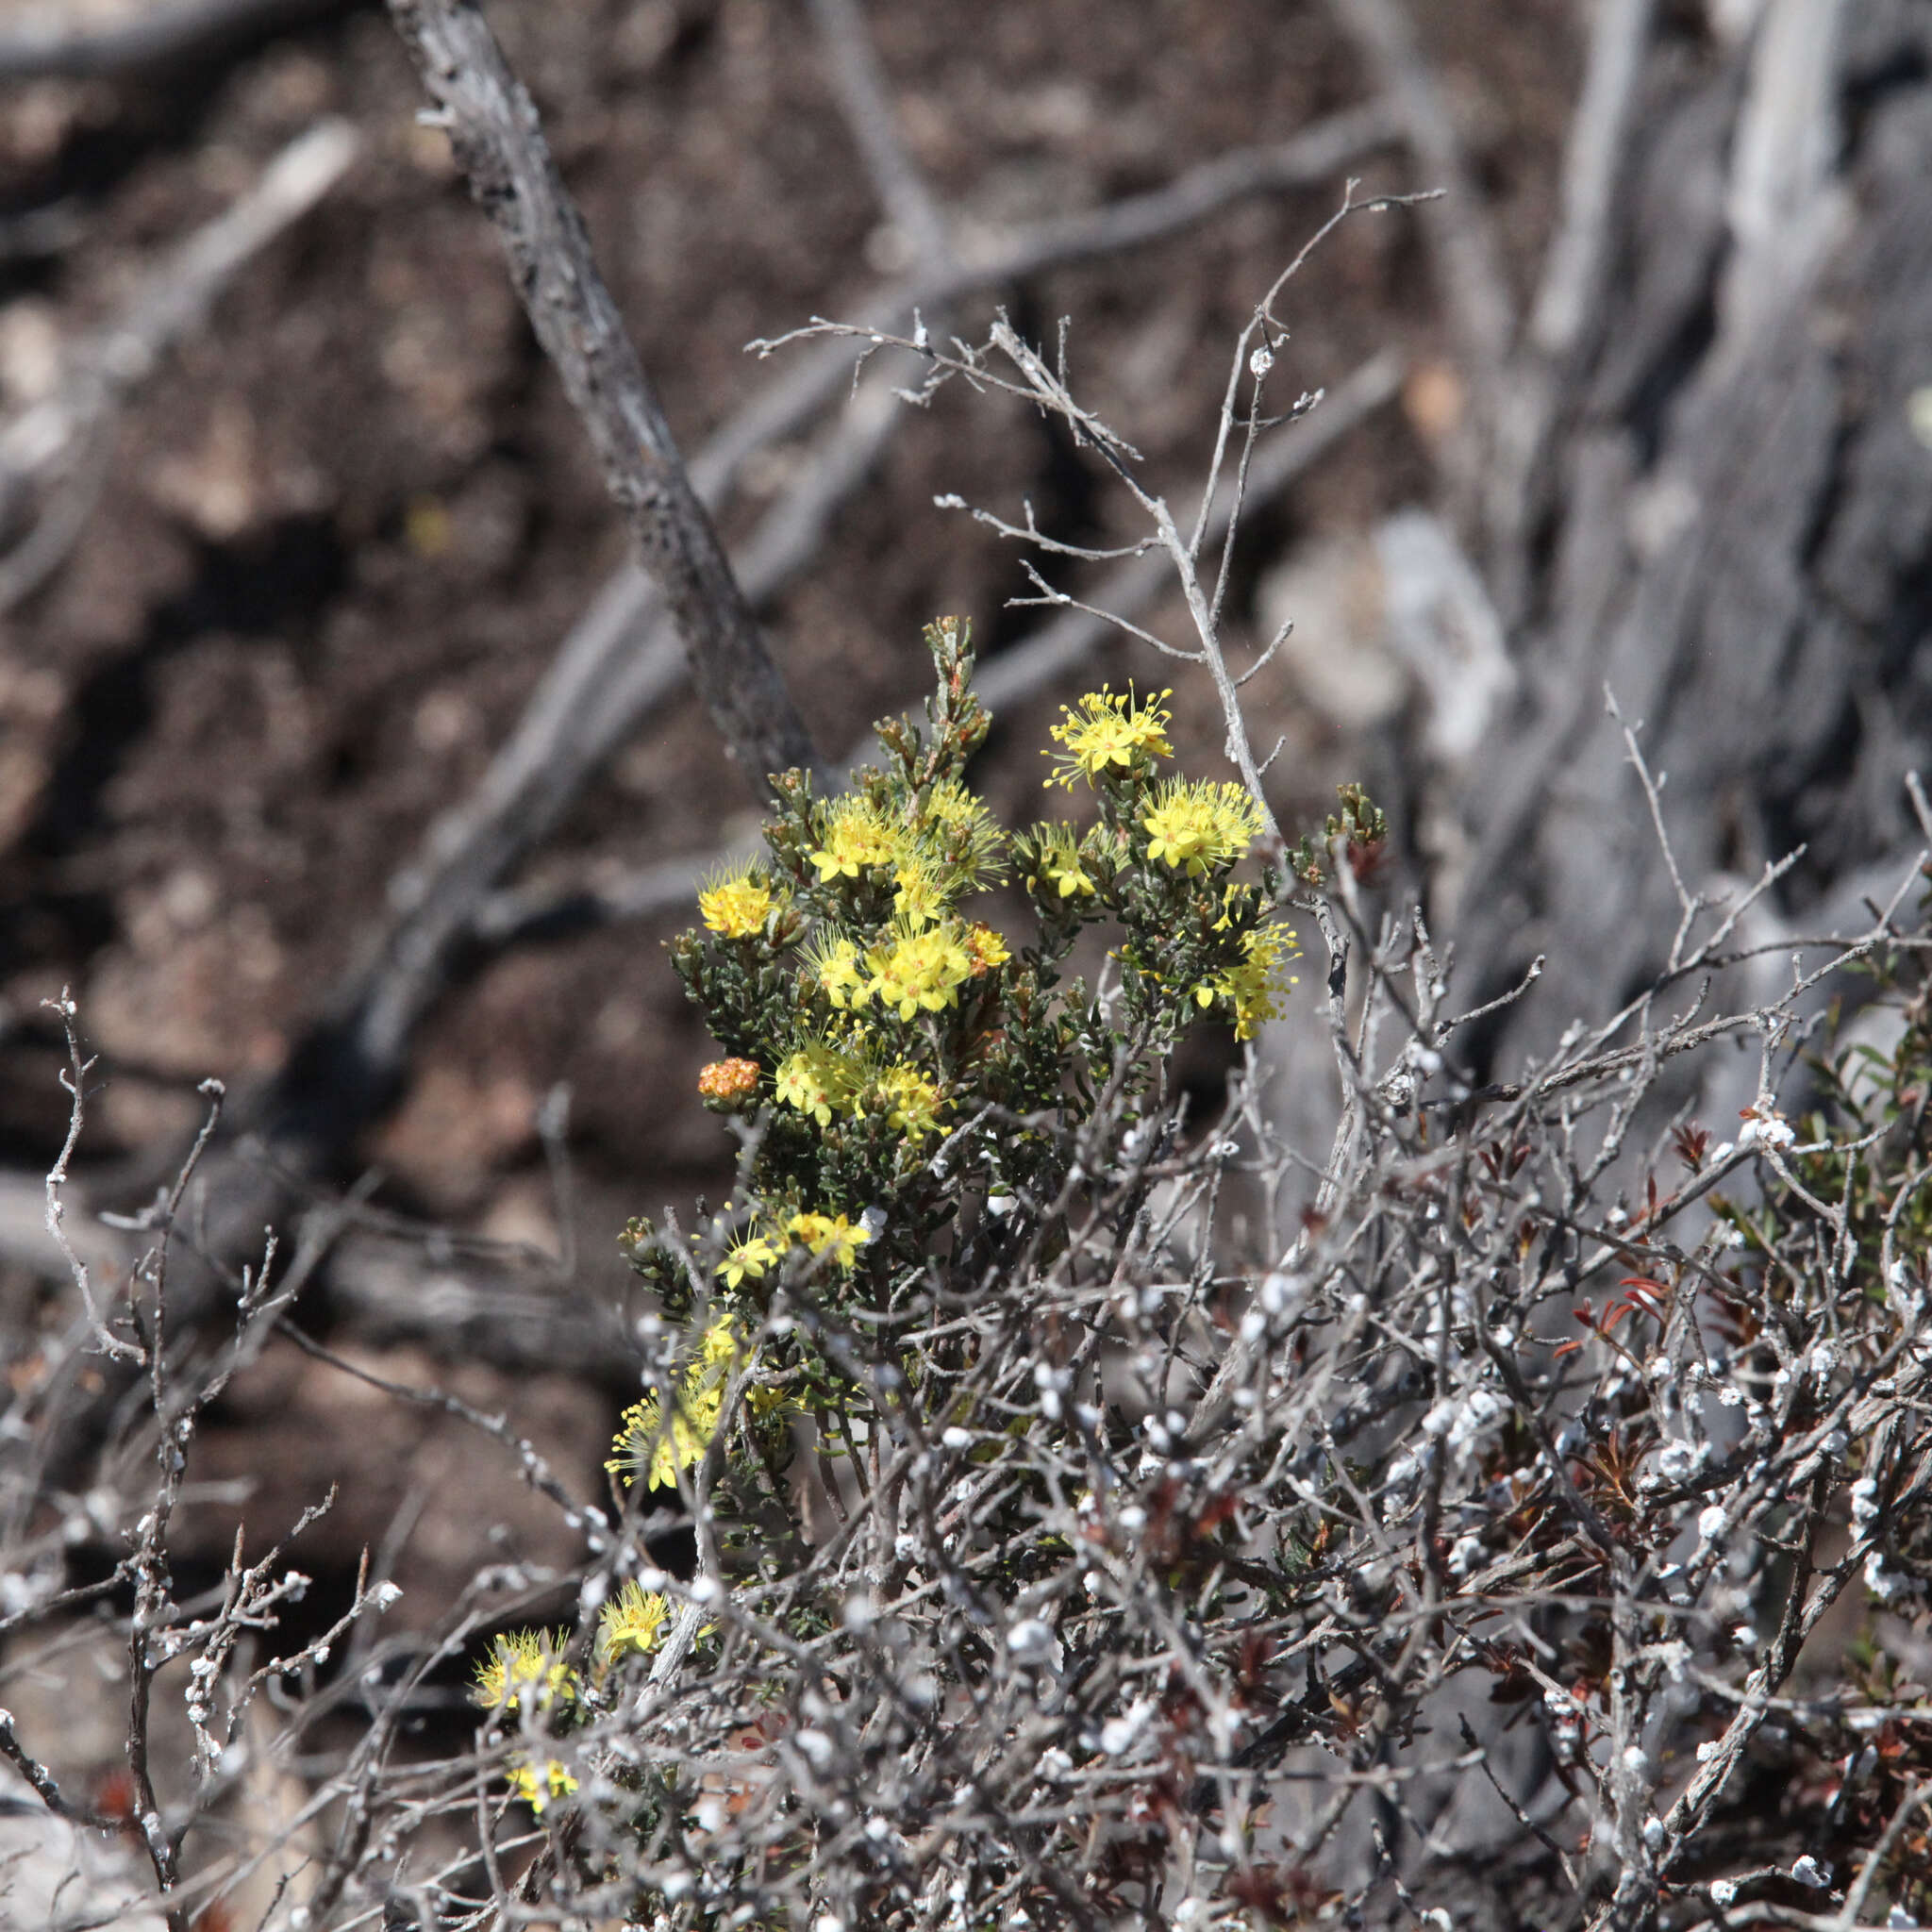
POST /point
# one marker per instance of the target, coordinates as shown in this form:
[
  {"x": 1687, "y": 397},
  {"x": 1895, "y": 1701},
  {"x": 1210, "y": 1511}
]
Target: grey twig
[
  {"x": 74, "y": 1078},
  {"x": 862, "y": 94},
  {"x": 1468, "y": 255}
]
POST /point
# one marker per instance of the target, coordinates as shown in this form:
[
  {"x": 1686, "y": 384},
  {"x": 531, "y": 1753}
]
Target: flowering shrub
[
  {"x": 870, "y": 1016},
  {"x": 914, "y": 1076},
  {"x": 1086, "y": 1564}
]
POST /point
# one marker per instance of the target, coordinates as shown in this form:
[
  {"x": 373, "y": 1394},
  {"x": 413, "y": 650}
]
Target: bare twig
[{"x": 74, "y": 1078}]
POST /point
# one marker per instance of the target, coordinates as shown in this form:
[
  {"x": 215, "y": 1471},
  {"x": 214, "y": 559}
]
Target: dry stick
[
  {"x": 499, "y": 144},
  {"x": 1578, "y": 253},
  {"x": 1015, "y": 675},
  {"x": 166, "y": 37},
  {"x": 607, "y": 676},
  {"x": 1469, "y": 256},
  {"x": 862, "y": 94},
  {"x": 1568, "y": 297},
  {"x": 169, "y": 302}
]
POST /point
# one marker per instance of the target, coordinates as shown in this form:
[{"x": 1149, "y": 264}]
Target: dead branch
[
  {"x": 494, "y": 128},
  {"x": 69, "y": 435},
  {"x": 862, "y": 94},
  {"x": 184, "y": 34}
]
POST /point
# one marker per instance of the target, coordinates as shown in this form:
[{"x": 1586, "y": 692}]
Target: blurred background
[{"x": 337, "y": 762}]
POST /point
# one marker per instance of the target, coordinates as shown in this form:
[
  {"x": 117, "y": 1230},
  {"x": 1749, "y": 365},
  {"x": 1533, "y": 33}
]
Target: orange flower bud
[{"x": 728, "y": 1082}]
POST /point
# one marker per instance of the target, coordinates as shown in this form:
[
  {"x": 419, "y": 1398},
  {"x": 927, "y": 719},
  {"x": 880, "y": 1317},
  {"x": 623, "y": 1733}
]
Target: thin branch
[
  {"x": 867, "y": 104},
  {"x": 74, "y": 1078},
  {"x": 1462, "y": 236}
]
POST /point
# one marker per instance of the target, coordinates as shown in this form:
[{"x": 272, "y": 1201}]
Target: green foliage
[{"x": 910, "y": 1068}]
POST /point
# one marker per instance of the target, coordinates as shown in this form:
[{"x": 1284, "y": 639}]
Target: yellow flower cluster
[
  {"x": 829, "y": 1234},
  {"x": 911, "y": 1101},
  {"x": 919, "y": 967},
  {"x": 1108, "y": 733},
  {"x": 823, "y": 1079},
  {"x": 855, "y": 837},
  {"x": 1194, "y": 825},
  {"x": 737, "y": 902},
  {"x": 946, "y": 845},
  {"x": 920, "y": 971},
  {"x": 820, "y": 1080},
  {"x": 540, "y": 1790},
  {"x": 924, "y": 893},
  {"x": 526, "y": 1665},
  {"x": 649, "y": 1444},
  {"x": 632, "y": 1624},
  {"x": 1254, "y": 988},
  {"x": 762, "y": 1250},
  {"x": 958, "y": 830},
  {"x": 842, "y": 975},
  {"x": 1062, "y": 864}
]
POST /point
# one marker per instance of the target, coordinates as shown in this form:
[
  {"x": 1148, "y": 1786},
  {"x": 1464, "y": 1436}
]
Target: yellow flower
[
  {"x": 1062, "y": 864},
  {"x": 922, "y": 970},
  {"x": 1107, "y": 733},
  {"x": 818, "y": 1080},
  {"x": 647, "y": 1445},
  {"x": 1254, "y": 988},
  {"x": 821, "y": 1234},
  {"x": 718, "y": 1347},
  {"x": 735, "y": 902},
  {"x": 984, "y": 948},
  {"x": 1193, "y": 826},
  {"x": 924, "y": 893},
  {"x": 910, "y": 1100},
  {"x": 855, "y": 837},
  {"x": 525, "y": 1663},
  {"x": 538, "y": 1789},
  {"x": 750, "y": 1256},
  {"x": 834, "y": 963},
  {"x": 632, "y": 1624},
  {"x": 956, "y": 829}
]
